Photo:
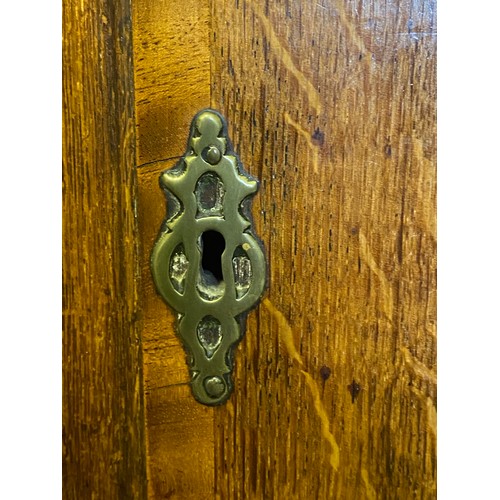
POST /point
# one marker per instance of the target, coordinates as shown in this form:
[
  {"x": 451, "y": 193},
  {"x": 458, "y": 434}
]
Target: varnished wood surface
[
  {"x": 172, "y": 73},
  {"x": 103, "y": 416},
  {"x": 172, "y": 76},
  {"x": 339, "y": 124},
  {"x": 331, "y": 105}
]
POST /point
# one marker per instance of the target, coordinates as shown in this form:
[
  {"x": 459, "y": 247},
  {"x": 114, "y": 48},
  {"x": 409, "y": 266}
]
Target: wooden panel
[
  {"x": 104, "y": 452},
  {"x": 172, "y": 74},
  {"x": 332, "y": 105}
]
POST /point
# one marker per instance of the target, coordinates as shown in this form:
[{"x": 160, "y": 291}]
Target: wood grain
[
  {"x": 172, "y": 75},
  {"x": 331, "y": 105},
  {"x": 104, "y": 454}
]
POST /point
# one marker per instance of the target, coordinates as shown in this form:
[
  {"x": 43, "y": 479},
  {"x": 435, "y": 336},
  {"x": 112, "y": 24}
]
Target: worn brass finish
[{"x": 208, "y": 193}]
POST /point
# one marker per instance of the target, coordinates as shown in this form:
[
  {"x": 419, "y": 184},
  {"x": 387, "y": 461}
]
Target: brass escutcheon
[{"x": 207, "y": 263}]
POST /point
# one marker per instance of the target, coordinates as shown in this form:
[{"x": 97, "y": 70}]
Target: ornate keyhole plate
[{"x": 207, "y": 263}]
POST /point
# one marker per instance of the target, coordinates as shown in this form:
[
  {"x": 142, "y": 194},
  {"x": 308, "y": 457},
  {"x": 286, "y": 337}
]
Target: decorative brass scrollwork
[{"x": 207, "y": 263}]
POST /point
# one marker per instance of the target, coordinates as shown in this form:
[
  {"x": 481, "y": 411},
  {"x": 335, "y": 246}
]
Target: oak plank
[
  {"x": 332, "y": 105},
  {"x": 172, "y": 76},
  {"x": 104, "y": 454}
]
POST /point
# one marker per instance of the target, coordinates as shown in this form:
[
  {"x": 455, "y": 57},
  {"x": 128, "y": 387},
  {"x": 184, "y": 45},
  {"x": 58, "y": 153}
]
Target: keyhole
[{"x": 212, "y": 245}]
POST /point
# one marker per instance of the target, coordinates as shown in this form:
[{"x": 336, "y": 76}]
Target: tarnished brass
[{"x": 207, "y": 263}]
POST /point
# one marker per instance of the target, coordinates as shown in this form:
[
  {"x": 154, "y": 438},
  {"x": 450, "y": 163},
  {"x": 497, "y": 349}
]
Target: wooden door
[{"x": 331, "y": 105}]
